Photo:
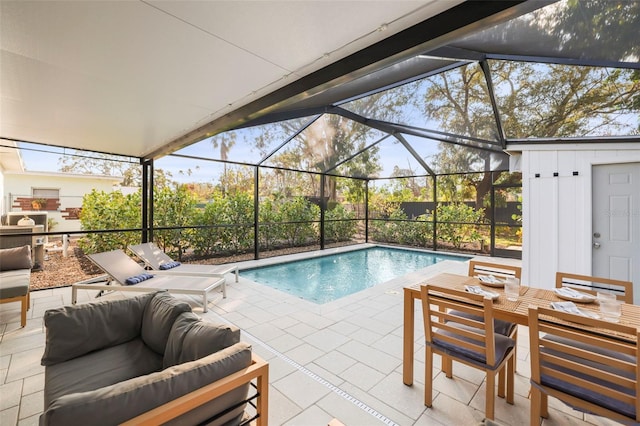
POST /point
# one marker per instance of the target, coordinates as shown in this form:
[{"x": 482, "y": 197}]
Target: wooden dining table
[{"x": 513, "y": 311}]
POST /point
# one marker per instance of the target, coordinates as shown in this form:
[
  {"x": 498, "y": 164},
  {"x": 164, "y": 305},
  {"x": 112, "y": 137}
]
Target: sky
[{"x": 186, "y": 170}]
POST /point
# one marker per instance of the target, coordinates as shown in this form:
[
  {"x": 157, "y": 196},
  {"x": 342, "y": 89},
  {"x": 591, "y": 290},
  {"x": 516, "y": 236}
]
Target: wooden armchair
[
  {"x": 451, "y": 333},
  {"x": 593, "y": 371},
  {"x": 588, "y": 284}
]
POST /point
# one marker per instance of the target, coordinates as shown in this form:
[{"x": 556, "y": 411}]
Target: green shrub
[
  {"x": 457, "y": 223},
  {"x": 270, "y": 231},
  {"x": 229, "y": 221},
  {"x": 173, "y": 207},
  {"x": 300, "y": 212},
  {"x": 338, "y": 225},
  {"x": 109, "y": 210},
  {"x": 239, "y": 210}
]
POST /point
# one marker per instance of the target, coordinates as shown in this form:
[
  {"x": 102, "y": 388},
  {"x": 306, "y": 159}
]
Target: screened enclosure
[{"x": 419, "y": 152}]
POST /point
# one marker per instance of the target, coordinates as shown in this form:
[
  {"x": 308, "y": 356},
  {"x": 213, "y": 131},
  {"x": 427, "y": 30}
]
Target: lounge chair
[
  {"x": 132, "y": 277},
  {"x": 156, "y": 259}
]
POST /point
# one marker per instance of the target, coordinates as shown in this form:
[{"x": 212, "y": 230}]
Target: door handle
[{"x": 596, "y": 245}]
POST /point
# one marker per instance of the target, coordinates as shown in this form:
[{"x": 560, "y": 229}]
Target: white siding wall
[
  {"x": 3, "y": 208},
  {"x": 557, "y": 210},
  {"x": 71, "y": 189}
]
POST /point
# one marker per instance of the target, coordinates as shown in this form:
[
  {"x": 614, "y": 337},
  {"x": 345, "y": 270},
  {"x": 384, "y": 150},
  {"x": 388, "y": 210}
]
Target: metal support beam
[
  {"x": 323, "y": 207},
  {"x": 366, "y": 211},
  {"x": 413, "y": 152},
  {"x": 147, "y": 199},
  {"x": 256, "y": 213},
  {"x": 435, "y": 212},
  {"x": 494, "y": 105}
]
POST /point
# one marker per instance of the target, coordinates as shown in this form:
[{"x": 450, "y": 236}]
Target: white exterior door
[{"x": 616, "y": 223}]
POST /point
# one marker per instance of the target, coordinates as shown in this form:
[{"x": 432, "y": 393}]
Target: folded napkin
[
  {"x": 566, "y": 307},
  {"x": 479, "y": 290},
  {"x": 169, "y": 265},
  {"x": 571, "y": 308},
  {"x": 569, "y": 292},
  {"x": 138, "y": 279}
]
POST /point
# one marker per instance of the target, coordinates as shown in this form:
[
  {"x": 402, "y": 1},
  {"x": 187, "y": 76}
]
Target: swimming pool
[{"x": 327, "y": 278}]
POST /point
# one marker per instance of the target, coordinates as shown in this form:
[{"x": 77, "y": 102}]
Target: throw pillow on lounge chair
[
  {"x": 169, "y": 265},
  {"x": 138, "y": 278}
]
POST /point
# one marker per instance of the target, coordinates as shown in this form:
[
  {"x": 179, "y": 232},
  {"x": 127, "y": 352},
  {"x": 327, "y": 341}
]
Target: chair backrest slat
[
  {"x": 496, "y": 269},
  {"x": 622, "y": 289}
]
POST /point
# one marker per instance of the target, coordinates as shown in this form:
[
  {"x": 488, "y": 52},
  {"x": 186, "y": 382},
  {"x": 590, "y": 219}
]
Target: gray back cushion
[
  {"x": 192, "y": 338},
  {"x": 117, "y": 403},
  {"x": 15, "y": 258},
  {"x": 158, "y": 318},
  {"x": 76, "y": 330}
]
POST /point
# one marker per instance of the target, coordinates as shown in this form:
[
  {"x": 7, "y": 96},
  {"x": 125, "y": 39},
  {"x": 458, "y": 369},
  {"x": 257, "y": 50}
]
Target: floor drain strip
[
  {"x": 320, "y": 380},
  {"x": 325, "y": 383}
]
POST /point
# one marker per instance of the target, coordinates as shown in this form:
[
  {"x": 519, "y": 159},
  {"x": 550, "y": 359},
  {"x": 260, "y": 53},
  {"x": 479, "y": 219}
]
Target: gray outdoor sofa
[{"x": 146, "y": 360}]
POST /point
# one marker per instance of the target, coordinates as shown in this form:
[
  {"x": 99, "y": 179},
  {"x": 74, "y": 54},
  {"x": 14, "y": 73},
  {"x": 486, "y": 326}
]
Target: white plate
[
  {"x": 574, "y": 295},
  {"x": 490, "y": 280}
]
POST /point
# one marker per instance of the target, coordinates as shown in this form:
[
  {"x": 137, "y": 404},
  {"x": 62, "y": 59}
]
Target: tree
[
  {"x": 81, "y": 162},
  {"x": 224, "y": 141},
  {"x": 534, "y": 100},
  {"x": 538, "y": 100}
]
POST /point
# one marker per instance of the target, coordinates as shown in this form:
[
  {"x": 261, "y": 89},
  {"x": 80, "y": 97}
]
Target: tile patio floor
[{"x": 338, "y": 360}]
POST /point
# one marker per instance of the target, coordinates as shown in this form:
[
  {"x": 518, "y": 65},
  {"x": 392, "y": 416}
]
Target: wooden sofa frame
[{"x": 258, "y": 370}]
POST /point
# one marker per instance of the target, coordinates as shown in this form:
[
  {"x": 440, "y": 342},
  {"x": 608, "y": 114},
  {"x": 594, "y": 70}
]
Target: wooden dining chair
[
  {"x": 469, "y": 341},
  {"x": 622, "y": 289},
  {"x": 498, "y": 270},
  {"x": 585, "y": 363}
]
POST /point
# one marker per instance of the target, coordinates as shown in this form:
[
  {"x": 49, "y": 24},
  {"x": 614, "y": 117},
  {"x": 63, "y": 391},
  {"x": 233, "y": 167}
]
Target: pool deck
[{"x": 342, "y": 359}]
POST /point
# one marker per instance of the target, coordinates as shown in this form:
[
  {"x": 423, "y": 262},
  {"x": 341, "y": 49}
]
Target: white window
[{"x": 45, "y": 193}]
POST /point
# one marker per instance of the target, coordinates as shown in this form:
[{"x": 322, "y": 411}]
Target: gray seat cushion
[
  {"x": 503, "y": 345},
  {"x": 588, "y": 394},
  {"x": 122, "y": 401},
  {"x": 14, "y": 283},
  {"x": 73, "y": 331},
  {"x": 100, "y": 368}
]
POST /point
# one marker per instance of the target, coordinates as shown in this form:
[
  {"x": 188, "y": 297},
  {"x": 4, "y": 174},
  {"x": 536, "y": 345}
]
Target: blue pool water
[{"x": 327, "y": 278}]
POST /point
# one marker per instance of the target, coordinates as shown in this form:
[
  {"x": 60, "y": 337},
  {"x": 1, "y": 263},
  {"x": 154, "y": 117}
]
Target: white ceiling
[{"x": 128, "y": 77}]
